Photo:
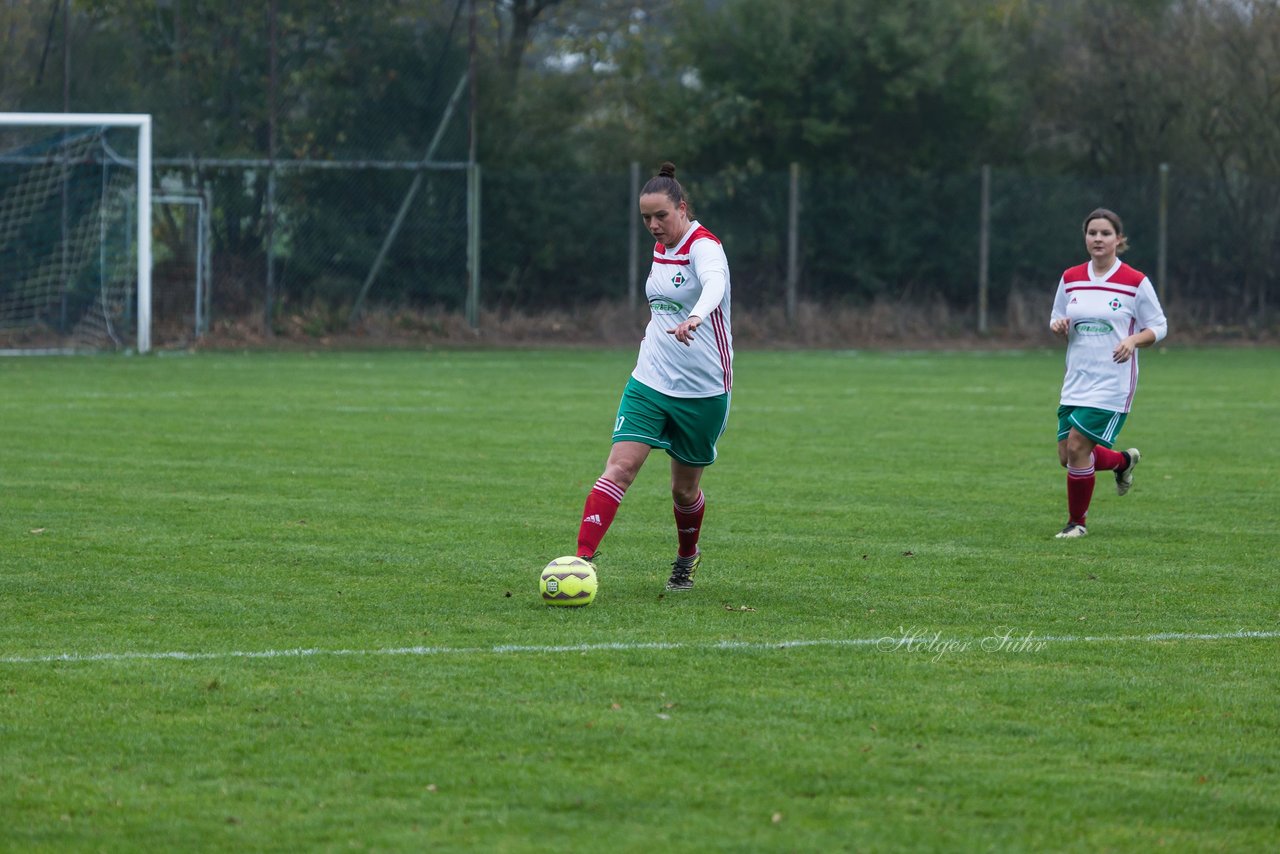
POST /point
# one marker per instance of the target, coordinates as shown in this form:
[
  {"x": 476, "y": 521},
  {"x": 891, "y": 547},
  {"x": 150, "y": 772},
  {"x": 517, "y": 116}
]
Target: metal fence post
[
  {"x": 984, "y": 248},
  {"x": 633, "y": 267},
  {"x": 272, "y": 138},
  {"x": 793, "y": 243},
  {"x": 206, "y": 255},
  {"x": 1162, "y": 235},
  {"x": 473, "y": 246},
  {"x": 268, "y": 313}
]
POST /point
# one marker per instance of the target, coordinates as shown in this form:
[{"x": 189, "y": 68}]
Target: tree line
[{"x": 890, "y": 108}]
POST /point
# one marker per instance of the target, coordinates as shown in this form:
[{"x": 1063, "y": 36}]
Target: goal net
[{"x": 75, "y": 230}]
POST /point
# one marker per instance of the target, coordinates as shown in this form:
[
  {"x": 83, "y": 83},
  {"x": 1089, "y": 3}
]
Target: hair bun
[{"x": 667, "y": 170}]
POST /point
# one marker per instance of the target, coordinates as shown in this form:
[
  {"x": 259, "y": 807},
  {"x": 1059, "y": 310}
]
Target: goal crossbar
[{"x": 142, "y": 123}]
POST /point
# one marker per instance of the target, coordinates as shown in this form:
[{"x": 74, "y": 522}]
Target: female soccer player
[
  {"x": 677, "y": 397},
  {"x": 1106, "y": 310}
]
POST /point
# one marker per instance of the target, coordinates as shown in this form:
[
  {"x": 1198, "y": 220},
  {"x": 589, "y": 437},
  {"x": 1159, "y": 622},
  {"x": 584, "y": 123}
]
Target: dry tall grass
[{"x": 1022, "y": 321}]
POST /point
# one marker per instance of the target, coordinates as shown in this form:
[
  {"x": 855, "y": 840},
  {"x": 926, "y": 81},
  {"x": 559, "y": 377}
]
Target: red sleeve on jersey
[
  {"x": 1079, "y": 273},
  {"x": 698, "y": 233},
  {"x": 1126, "y": 275}
]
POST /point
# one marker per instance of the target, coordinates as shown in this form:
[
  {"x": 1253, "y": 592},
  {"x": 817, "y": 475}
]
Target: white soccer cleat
[
  {"x": 1124, "y": 477},
  {"x": 1071, "y": 532}
]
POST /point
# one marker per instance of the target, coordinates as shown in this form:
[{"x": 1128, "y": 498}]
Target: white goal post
[{"x": 142, "y": 124}]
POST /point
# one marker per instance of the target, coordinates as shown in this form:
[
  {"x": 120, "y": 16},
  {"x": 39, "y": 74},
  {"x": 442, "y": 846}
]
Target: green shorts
[
  {"x": 1101, "y": 425},
  {"x": 687, "y": 428}
]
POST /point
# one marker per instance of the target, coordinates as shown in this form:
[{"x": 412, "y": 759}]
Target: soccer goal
[{"x": 75, "y": 232}]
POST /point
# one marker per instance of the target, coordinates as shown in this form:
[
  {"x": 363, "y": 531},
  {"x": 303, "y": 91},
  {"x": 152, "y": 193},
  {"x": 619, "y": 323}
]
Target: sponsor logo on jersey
[
  {"x": 665, "y": 306},
  {"x": 1073, "y": 301},
  {"x": 679, "y": 279},
  {"x": 1093, "y": 327},
  {"x": 1115, "y": 304}
]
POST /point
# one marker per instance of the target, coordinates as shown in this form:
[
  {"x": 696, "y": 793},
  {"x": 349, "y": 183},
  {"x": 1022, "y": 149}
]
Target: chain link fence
[
  {"x": 342, "y": 237},
  {"x": 322, "y": 240}
]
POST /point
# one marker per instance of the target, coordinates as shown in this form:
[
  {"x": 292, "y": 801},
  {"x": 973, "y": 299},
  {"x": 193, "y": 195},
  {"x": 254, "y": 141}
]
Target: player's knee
[
  {"x": 684, "y": 496},
  {"x": 1078, "y": 447},
  {"x": 621, "y": 473}
]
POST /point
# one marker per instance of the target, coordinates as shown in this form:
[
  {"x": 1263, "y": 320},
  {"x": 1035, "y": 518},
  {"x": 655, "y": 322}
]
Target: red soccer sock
[
  {"x": 689, "y": 525},
  {"x": 597, "y": 515},
  {"x": 1105, "y": 459},
  {"x": 1079, "y": 493}
]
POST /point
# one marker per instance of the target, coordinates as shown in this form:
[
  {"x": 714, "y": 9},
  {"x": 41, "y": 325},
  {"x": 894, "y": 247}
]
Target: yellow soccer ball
[{"x": 568, "y": 581}]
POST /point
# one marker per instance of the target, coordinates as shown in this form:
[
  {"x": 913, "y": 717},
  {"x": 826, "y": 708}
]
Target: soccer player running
[
  {"x": 677, "y": 398},
  {"x": 1106, "y": 310}
]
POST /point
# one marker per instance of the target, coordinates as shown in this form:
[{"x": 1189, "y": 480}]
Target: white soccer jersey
[
  {"x": 692, "y": 278},
  {"x": 1103, "y": 311}
]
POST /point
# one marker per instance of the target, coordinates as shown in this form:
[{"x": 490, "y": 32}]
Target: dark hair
[
  {"x": 1113, "y": 218},
  {"x": 665, "y": 183}
]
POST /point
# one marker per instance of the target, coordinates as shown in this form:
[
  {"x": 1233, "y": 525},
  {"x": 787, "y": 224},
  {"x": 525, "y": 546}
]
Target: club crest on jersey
[
  {"x": 679, "y": 279},
  {"x": 1115, "y": 304}
]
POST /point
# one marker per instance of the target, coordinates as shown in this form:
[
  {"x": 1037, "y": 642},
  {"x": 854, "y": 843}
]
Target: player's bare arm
[{"x": 1125, "y": 349}]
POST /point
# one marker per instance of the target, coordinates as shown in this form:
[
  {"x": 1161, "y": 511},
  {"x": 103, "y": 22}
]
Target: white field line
[{"x": 903, "y": 639}]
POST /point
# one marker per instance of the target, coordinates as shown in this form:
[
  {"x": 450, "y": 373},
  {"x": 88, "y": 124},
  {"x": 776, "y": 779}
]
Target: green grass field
[{"x": 288, "y": 601}]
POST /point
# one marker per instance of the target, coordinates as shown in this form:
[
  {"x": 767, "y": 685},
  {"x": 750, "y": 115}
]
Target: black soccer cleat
[{"x": 682, "y": 572}]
